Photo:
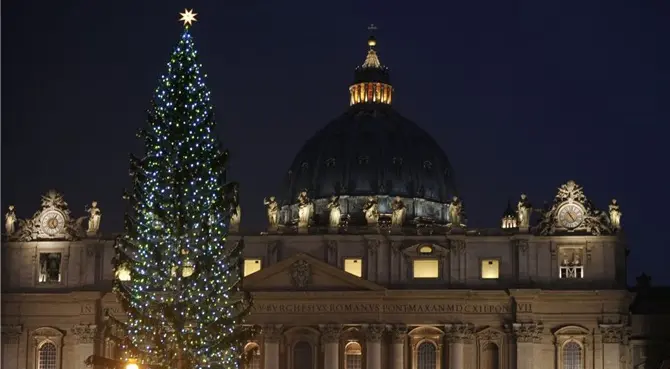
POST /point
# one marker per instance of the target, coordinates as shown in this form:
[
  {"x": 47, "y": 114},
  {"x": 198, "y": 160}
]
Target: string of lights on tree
[{"x": 183, "y": 303}]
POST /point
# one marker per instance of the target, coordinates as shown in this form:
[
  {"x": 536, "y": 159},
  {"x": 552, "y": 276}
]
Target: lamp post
[{"x": 132, "y": 364}]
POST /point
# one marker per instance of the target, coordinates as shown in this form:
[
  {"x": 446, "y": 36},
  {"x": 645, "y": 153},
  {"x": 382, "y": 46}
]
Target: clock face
[
  {"x": 570, "y": 216},
  {"x": 52, "y": 222}
]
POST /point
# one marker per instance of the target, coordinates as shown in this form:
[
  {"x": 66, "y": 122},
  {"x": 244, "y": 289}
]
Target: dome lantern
[{"x": 371, "y": 80}]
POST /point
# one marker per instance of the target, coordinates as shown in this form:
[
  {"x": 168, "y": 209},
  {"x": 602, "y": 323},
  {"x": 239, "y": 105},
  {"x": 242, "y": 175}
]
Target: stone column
[
  {"x": 526, "y": 335},
  {"x": 613, "y": 336},
  {"x": 85, "y": 335},
  {"x": 271, "y": 340},
  {"x": 373, "y": 346},
  {"x": 330, "y": 338},
  {"x": 457, "y": 336},
  {"x": 10, "y": 342},
  {"x": 398, "y": 339}
]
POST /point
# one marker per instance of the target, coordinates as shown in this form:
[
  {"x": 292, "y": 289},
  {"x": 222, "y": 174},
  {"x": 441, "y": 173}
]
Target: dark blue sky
[{"x": 522, "y": 96}]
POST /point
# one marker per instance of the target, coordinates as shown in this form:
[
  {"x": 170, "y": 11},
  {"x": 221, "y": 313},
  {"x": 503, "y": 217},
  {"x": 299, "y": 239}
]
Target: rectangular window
[
  {"x": 251, "y": 266},
  {"x": 490, "y": 269},
  {"x": 50, "y": 268},
  {"x": 354, "y": 266},
  {"x": 426, "y": 268},
  {"x": 570, "y": 265}
]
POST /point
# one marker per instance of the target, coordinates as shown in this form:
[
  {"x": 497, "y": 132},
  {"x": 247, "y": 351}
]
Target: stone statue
[
  {"x": 335, "y": 212},
  {"x": 235, "y": 218},
  {"x": 305, "y": 209},
  {"x": 456, "y": 212},
  {"x": 523, "y": 210},
  {"x": 94, "y": 218},
  {"x": 398, "y": 216},
  {"x": 273, "y": 211},
  {"x": 235, "y": 211},
  {"x": 370, "y": 211},
  {"x": 615, "y": 214},
  {"x": 10, "y": 221},
  {"x": 576, "y": 261}
]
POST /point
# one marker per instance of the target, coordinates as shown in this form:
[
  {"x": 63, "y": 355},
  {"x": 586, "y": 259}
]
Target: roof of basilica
[{"x": 371, "y": 149}]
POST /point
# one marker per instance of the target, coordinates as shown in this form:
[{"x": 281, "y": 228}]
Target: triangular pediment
[{"x": 302, "y": 272}]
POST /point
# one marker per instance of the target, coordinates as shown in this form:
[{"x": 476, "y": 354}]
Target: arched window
[
  {"x": 352, "y": 356},
  {"x": 254, "y": 361},
  {"x": 302, "y": 356},
  {"x": 47, "y": 356},
  {"x": 572, "y": 355},
  {"x": 427, "y": 356},
  {"x": 490, "y": 356}
]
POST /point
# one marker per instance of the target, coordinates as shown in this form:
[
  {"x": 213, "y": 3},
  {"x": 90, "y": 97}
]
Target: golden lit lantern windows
[{"x": 370, "y": 92}]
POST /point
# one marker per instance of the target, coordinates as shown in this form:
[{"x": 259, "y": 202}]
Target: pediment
[{"x": 302, "y": 272}]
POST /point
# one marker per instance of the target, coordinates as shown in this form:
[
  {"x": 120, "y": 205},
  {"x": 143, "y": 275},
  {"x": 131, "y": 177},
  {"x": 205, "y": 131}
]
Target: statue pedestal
[
  {"x": 333, "y": 229},
  {"x": 91, "y": 234},
  {"x": 456, "y": 230},
  {"x": 303, "y": 230},
  {"x": 524, "y": 229}
]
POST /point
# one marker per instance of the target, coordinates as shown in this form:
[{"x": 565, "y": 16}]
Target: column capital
[
  {"x": 527, "y": 332},
  {"x": 398, "y": 333},
  {"x": 374, "y": 332},
  {"x": 460, "y": 332},
  {"x": 330, "y": 333},
  {"x": 85, "y": 333},
  {"x": 614, "y": 333},
  {"x": 272, "y": 333},
  {"x": 11, "y": 333}
]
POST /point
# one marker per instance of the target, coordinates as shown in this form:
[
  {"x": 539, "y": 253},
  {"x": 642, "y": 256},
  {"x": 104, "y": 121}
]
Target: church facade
[{"x": 368, "y": 262}]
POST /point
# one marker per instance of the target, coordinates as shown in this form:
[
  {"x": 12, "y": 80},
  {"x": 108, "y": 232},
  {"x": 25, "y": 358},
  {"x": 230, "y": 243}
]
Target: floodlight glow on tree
[{"x": 183, "y": 300}]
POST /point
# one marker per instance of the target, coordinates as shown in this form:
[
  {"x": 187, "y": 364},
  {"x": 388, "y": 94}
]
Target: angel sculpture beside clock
[{"x": 94, "y": 218}]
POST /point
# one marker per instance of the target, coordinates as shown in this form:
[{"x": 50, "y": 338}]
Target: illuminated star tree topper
[{"x": 188, "y": 17}]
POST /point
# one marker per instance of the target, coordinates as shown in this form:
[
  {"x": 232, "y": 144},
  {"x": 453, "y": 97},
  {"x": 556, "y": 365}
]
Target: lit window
[
  {"x": 352, "y": 356},
  {"x": 251, "y": 266},
  {"x": 427, "y": 356},
  {"x": 425, "y": 250},
  {"x": 490, "y": 269},
  {"x": 572, "y": 356},
  {"x": 571, "y": 265},
  {"x": 47, "y": 356},
  {"x": 254, "y": 356},
  {"x": 123, "y": 273},
  {"x": 426, "y": 268},
  {"x": 354, "y": 266}
]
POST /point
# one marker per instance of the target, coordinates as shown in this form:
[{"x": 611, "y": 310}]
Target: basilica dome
[{"x": 371, "y": 150}]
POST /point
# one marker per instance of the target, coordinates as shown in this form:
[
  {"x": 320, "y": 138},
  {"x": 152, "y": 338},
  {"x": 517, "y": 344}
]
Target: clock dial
[
  {"x": 52, "y": 222},
  {"x": 570, "y": 216}
]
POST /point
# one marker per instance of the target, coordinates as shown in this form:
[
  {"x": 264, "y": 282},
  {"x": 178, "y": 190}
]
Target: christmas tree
[{"x": 183, "y": 301}]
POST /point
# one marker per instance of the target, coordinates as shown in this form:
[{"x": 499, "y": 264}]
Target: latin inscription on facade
[{"x": 314, "y": 308}]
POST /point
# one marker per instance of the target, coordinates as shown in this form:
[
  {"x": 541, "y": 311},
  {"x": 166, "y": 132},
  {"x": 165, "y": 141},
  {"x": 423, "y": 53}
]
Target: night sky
[{"x": 522, "y": 96}]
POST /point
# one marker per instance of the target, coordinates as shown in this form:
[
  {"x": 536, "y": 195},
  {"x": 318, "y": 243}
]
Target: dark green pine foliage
[{"x": 183, "y": 302}]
